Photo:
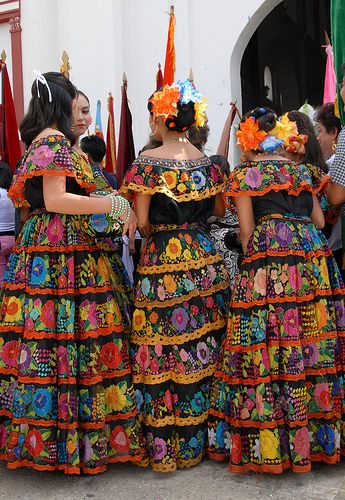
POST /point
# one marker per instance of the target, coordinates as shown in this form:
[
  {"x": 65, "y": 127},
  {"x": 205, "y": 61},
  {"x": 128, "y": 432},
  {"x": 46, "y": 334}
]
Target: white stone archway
[{"x": 243, "y": 39}]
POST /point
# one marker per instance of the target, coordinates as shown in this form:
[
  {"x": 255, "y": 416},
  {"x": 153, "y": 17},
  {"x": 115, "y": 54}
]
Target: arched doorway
[{"x": 287, "y": 46}]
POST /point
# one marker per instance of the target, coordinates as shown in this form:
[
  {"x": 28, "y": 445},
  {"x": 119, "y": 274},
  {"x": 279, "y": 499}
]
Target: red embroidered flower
[
  {"x": 48, "y": 314},
  {"x": 119, "y": 439},
  {"x": 236, "y": 450},
  {"x": 111, "y": 355},
  {"x": 9, "y": 353},
  {"x": 34, "y": 443}
]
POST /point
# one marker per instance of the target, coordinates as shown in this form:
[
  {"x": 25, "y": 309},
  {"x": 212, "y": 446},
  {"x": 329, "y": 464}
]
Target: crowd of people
[{"x": 226, "y": 339}]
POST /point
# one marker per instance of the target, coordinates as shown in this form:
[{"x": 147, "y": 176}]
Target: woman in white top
[{"x": 6, "y": 218}]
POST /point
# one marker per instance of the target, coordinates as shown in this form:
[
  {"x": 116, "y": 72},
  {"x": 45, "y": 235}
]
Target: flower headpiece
[{"x": 165, "y": 102}]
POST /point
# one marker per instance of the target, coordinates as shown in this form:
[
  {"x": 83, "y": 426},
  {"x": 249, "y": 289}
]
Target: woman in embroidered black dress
[
  {"x": 66, "y": 394},
  {"x": 278, "y": 393},
  {"x": 182, "y": 287}
]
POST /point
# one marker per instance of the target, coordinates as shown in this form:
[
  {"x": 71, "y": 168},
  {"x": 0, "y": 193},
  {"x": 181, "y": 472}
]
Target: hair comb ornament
[{"x": 40, "y": 78}]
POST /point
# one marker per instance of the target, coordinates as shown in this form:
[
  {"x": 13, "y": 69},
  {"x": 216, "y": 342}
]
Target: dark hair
[
  {"x": 313, "y": 153},
  {"x": 326, "y": 116},
  {"x": 198, "y": 136},
  {"x": 94, "y": 146},
  {"x": 79, "y": 92},
  {"x": 222, "y": 162},
  {"x": 184, "y": 118},
  {"x": 266, "y": 118},
  {"x": 43, "y": 114},
  {"x": 6, "y": 176}
]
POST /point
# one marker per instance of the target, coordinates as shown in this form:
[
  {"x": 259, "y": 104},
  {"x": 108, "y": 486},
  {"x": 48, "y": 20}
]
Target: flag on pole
[
  {"x": 338, "y": 42},
  {"x": 223, "y": 147},
  {"x": 126, "y": 152},
  {"x": 159, "y": 77},
  {"x": 330, "y": 87},
  {"x": 110, "y": 158},
  {"x": 170, "y": 59},
  {"x": 98, "y": 122},
  {"x": 10, "y": 150}
]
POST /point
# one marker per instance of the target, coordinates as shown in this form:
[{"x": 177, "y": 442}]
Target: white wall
[{"x": 104, "y": 38}]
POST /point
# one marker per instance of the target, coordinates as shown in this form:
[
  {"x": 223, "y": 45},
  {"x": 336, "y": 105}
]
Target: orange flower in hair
[
  {"x": 164, "y": 103},
  {"x": 249, "y": 136},
  {"x": 296, "y": 144}
]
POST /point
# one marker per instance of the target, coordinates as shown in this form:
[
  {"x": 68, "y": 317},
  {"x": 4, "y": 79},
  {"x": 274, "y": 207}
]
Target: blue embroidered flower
[
  {"x": 145, "y": 286},
  {"x": 188, "y": 92},
  {"x": 189, "y": 285},
  {"x": 326, "y": 438},
  {"x": 198, "y": 402},
  {"x": 138, "y": 398},
  {"x": 39, "y": 271},
  {"x": 42, "y": 402},
  {"x": 206, "y": 244},
  {"x": 199, "y": 179},
  {"x": 99, "y": 223}
]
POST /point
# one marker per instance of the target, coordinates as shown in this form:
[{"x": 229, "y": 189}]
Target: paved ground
[{"x": 204, "y": 482}]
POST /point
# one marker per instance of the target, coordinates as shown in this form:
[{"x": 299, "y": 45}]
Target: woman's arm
[
  {"x": 142, "y": 207},
  {"x": 317, "y": 214},
  {"x": 245, "y": 215},
  {"x": 219, "y": 207},
  {"x": 57, "y": 200},
  {"x": 335, "y": 194}
]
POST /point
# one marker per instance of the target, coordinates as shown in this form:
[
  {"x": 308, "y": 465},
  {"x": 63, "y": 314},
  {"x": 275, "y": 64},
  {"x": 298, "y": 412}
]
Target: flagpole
[{"x": 3, "y": 59}]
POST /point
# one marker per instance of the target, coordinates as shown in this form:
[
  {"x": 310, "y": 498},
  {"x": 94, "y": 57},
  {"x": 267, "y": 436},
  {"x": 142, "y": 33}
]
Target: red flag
[
  {"x": 110, "y": 158},
  {"x": 159, "y": 78},
  {"x": 126, "y": 152},
  {"x": 170, "y": 60},
  {"x": 10, "y": 150}
]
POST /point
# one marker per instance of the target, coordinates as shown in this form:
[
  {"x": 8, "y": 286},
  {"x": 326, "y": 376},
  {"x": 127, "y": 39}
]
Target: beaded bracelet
[{"x": 119, "y": 206}]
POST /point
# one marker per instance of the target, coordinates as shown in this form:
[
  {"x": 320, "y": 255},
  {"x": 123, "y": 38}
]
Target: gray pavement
[{"x": 208, "y": 480}]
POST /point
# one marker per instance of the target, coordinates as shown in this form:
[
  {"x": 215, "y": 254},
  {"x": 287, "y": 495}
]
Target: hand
[
  {"x": 131, "y": 225},
  {"x": 131, "y": 246},
  {"x": 145, "y": 231}
]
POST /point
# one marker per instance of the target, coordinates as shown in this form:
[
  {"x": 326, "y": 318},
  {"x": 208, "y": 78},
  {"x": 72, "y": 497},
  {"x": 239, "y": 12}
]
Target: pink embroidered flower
[
  {"x": 253, "y": 177},
  {"x": 295, "y": 279},
  {"x": 291, "y": 321},
  {"x": 62, "y": 360},
  {"x": 143, "y": 357},
  {"x": 158, "y": 349},
  {"x": 42, "y": 156},
  {"x": 183, "y": 355},
  {"x": 260, "y": 281},
  {"x": 159, "y": 449},
  {"x": 322, "y": 396},
  {"x": 161, "y": 292},
  {"x": 301, "y": 442},
  {"x": 55, "y": 230},
  {"x": 9, "y": 353},
  {"x": 154, "y": 365}
]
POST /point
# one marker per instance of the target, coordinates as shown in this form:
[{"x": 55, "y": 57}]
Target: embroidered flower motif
[
  {"x": 268, "y": 444},
  {"x": 291, "y": 321},
  {"x": 260, "y": 281},
  {"x": 253, "y": 177},
  {"x": 169, "y": 283},
  {"x": 9, "y": 353},
  {"x": 110, "y": 355},
  {"x": 42, "y": 402},
  {"x": 203, "y": 352},
  {"x": 55, "y": 230},
  {"x": 42, "y": 156},
  {"x": 326, "y": 438},
  {"x": 143, "y": 357},
  {"x": 301, "y": 442},
  {"x": 115, "y": 396},
  {"x": 145, "y": 286},
  {"x": 13, "y": 310},
  {"x": 25, "y": 357},
  {"x": 170, "y": 178},
  {"x": 199, "y": 179},
  {"x": 179, "y": 319},
  {"x": 323, "y": 396},
  {"x": 139, "y": 320},
  {"x": 99, "y": 223},
  {"x": 38, "y": 271},
  {"x": 159, "y": 449},
  {"x": 34, "y": 443},
  {"x": 119, "y": 439},
  {"x": 173, "y": 249}
]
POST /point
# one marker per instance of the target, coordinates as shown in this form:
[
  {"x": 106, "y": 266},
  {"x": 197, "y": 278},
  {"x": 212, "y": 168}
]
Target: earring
[
  {"x": 242, "y": 158},
  {"x": 334, "y": 146},
  {"x": 151, "y": 133}
]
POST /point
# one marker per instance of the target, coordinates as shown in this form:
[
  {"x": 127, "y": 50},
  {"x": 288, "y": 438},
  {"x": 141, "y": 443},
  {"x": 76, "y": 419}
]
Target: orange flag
[
  {"x": 170, "y": 59},
  {"x": 159, "y": 78},
  {"x": 110, "y": 158}
]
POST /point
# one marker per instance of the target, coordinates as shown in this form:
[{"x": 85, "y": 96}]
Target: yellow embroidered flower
[
  {"x": 102, "y": 268},
  {"x": 181, "y": 188},
  {"x": 284, "y": 129},
  {"x": 14, "y": 310},
  {"x": 268, "y": 444},
  {"x": 200, "y": 112},
  {"x": 115, "y": 397},
  {"x": 71, "y": 446},
  {"x": 321, "y": 314},
  {"x": 174, "y": 248},
  {"x": 169, "y": 283},
  {"x": 187, "y": 255},
  {"x": 139, "y": 320},
  {"x": 170, "y": 178}
]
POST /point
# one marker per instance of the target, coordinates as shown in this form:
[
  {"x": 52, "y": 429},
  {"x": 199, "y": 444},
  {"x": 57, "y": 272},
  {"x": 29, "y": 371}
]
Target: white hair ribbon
[{"x": 41, "y": 78}]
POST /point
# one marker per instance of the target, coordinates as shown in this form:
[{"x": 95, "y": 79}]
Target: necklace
[{"x": 178, "y": 139}]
